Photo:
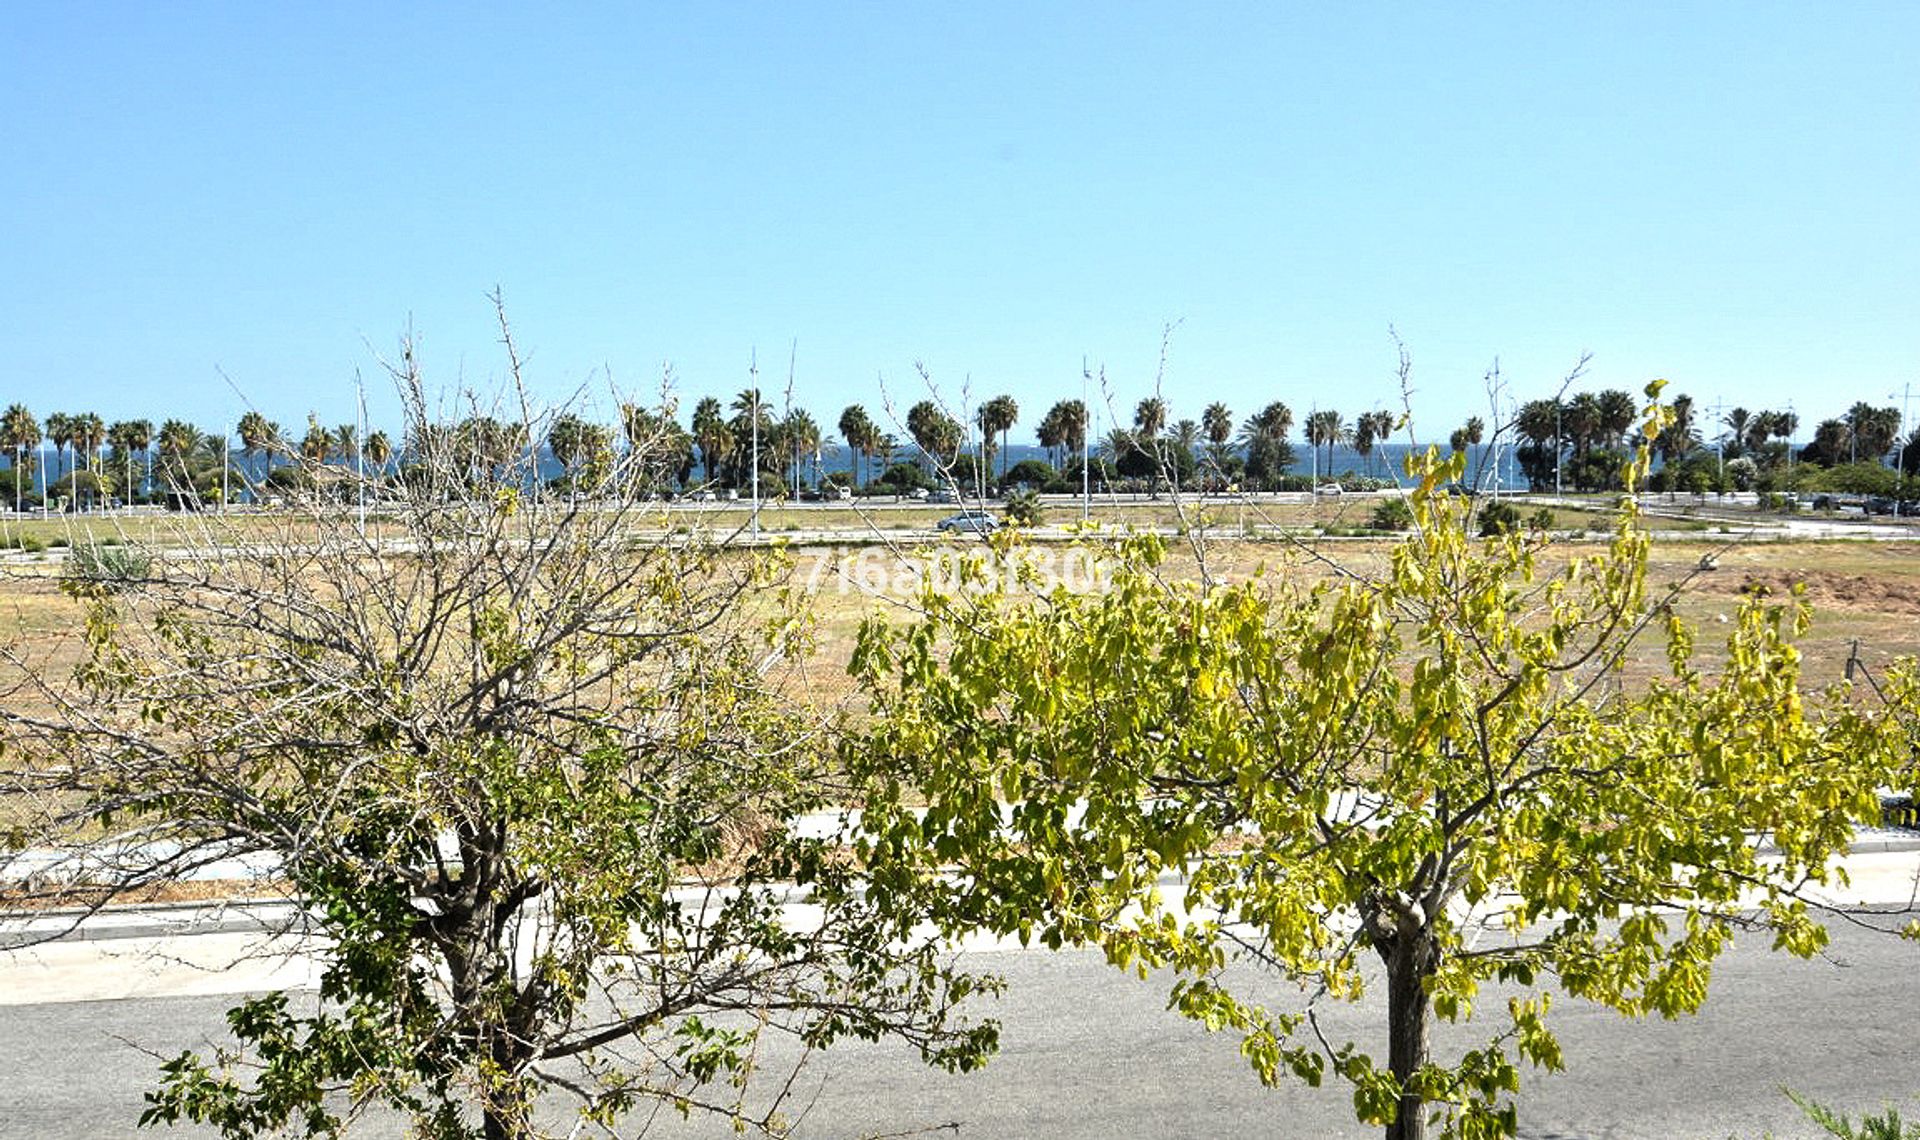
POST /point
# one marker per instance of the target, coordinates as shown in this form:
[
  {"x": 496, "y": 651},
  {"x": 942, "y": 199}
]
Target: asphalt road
[{"x": 1089, "y": 1052}]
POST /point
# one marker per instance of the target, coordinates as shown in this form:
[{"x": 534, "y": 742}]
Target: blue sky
[{"x": 199, "y": 198}]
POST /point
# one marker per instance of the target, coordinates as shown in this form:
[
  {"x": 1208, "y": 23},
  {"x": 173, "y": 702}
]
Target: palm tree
[
  {"x": 258, "y": 436},
  {"x": 19, "y": 434},
  {"x": 315, "y": 445},
  {"x": 711, "y": 435},
  {"x": 1678, "y": 437},
  {"x": 1149, "y": 419},
  {"x": 752, "y": 430},
  {"x": 1466, "y": 435},
  {"x": 857, "y": 428},
  {"x": 935, "y": 433},
  {"x": 800, "y": 436},
  {"x": 378, "y": 450},
  {"x": 568, "y": 440},
  {"x": 89, "y": 436},
  {"x": 997, "y": 417},
  {"x": 1064, "y": 428},
  {"x": 1326, "y": 428},
  {"x": 1264, "y": 435},
  {"x": 345, "y": 444},
  {"x": 59, "y": 434},
  {"x": 177, "y": 440},
  {"x": 1582, "y": 422},
  {"x": 1873, "y": 431},
  {"x": 1618, "y": 414},
  {"x": 127, "y": 437}
]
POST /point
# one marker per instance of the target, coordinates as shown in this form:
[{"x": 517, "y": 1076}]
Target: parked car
[
  {"x": 941, "y": 497},
  {"x": 972, "y": 522}
]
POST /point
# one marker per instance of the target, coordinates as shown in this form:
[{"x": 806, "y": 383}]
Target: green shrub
[
  {"x": 109, "y": 565},
  {"x": 1392, "y": 514},
  {"x": 1499, "y": 518},
  {"x": 1541, "y": 519}
]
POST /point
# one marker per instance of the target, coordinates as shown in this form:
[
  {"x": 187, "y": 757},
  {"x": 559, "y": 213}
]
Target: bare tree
[{"x": 529, "y": 769}]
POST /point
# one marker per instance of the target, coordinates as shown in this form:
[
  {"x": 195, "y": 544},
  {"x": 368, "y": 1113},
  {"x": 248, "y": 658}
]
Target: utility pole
[
  {"x": 1905, "y": 396},
  {"x": 753, "y": 375},
  {"x": 1086, "y": 429},
  {"x": 1720, "y": 442}
]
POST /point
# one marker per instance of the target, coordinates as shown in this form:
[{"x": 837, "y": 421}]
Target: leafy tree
[
  {"x": 1264, "y": 435},
  {"x": 1363, "y": 771},
  {"x": 1036, "y": 473},
  {"x": 532, "y": 782}
]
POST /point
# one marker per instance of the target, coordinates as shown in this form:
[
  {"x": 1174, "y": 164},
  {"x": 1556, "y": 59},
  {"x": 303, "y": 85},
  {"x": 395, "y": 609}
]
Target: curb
[{"x": 151, "y": 920}]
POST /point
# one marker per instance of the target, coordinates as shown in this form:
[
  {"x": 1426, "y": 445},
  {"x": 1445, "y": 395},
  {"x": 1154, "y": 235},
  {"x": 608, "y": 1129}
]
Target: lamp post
[{"x": 1905, "y": 396}]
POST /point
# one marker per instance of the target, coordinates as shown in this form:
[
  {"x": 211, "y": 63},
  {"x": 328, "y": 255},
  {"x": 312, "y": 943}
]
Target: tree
[
  {"x": 59, "y": 427},
  {"x": 1369, "y": 429},
  {"x": 1265, "y": 437},
  {"x": 1216, "y": 421},
  {"x": 129, "y": 437},
  {"x": 997, "y": 417},
  {"x": 712, "y": 436},
  {"x": 379, "y": 451},
  {"x": 1325, "y": 428},
  {"x": 1364, "y": 771},
  {"x": 531, "y": 778},
  {"x": 862, "y": 436},
  {"x": 1063, "y": 431},
  {"x": 19, "y": 434},
  {"x": 935, "y": 433}
]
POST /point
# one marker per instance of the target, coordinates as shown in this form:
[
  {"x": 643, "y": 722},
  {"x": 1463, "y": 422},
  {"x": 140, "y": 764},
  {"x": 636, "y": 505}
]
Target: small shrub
[
  {"x": 1541, "y": 519},
  {"x": 31, "y": 544},
  {"x": 108, "y": 565},
  {"x": 1499, "y": 518},
  {"x": 1023, "y": 509},
  {"x": 1392, "y": 514}
]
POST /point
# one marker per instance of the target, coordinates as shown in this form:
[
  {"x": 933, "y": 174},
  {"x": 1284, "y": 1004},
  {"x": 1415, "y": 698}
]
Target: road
[{"x": 1089, "y": 1052}]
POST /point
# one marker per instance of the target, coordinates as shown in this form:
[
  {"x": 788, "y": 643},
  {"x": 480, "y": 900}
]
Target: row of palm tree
[{"x": 725, "y": 442}]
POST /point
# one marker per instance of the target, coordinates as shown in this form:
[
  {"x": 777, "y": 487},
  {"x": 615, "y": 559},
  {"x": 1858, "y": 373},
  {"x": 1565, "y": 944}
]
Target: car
[
  {"x": 973, "y": 522},
  {"x": 941, "y": 497}
]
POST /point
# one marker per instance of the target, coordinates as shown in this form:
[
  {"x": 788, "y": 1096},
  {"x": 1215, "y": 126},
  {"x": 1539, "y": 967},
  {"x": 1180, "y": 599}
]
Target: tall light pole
[
  {"x": 1905, "y": 396},
  {"x": 1086, "y": 455},
  {"x": 753, "y": 375}
]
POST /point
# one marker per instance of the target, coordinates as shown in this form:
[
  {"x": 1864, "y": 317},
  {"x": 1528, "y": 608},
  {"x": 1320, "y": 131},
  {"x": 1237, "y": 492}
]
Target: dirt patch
[
  {"x": 1829, "y": 590},
  {"x": 73, "y": 896}
]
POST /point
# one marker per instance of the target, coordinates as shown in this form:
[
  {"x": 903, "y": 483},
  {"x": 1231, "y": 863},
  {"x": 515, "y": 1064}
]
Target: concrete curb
[{"x": 277, "y": 916}]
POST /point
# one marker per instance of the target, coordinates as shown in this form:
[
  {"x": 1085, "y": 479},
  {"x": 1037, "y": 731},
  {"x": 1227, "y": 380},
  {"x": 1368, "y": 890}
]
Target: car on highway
[{"x": 969, "y": 522}]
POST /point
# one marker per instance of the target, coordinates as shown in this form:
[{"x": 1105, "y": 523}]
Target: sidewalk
[{"x": 185, "y": 949}]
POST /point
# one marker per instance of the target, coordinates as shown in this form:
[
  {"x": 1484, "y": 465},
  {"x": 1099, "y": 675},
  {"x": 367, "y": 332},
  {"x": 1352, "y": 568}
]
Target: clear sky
[{"x": 197, "y": 198}]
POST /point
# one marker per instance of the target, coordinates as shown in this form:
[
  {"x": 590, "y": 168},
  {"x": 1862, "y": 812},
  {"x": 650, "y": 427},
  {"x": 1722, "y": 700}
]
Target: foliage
[
  {"x": 1392, "y": 514},
  {"x": 1499, "y": 518},
  {"x": 1024, "y": 509},
  {"x": 532, "y": 779},
  {"x": 1887, "y": 1126},
  {"x": 1368, "y": 769},
  {"x": 114, "y": 566}
]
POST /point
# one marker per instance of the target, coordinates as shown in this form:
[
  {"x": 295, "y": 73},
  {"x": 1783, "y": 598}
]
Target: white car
[{"x": 972, "y": 522}]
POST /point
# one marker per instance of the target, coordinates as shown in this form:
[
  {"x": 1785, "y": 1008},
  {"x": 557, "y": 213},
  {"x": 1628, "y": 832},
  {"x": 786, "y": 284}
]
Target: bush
[
  {"x": 107, "y": 564},
  {"x": 1392, "y": 514},
  {"x": 1499, "y": 518},
  {"x": 1023, "y": 509},
  {"x": 1541, "y": 519}
]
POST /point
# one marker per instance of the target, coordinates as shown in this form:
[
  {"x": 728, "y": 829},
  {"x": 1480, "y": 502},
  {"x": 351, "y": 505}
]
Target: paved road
[{"x": 1089, "y": 1052}]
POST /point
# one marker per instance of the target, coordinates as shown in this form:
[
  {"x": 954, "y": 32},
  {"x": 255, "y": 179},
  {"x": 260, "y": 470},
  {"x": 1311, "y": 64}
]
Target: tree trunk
[{"x": 1409, "y": 960}]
